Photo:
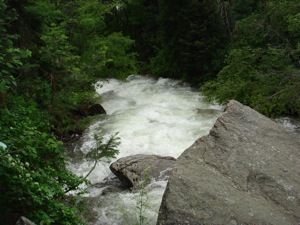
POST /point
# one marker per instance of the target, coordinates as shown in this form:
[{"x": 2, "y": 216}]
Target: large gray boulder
[
  {"x": 246, "y": 171},
  {"x": 132, "y": 170}
]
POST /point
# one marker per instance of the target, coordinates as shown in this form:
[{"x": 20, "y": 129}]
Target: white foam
[{"x": 152, "y": 117}]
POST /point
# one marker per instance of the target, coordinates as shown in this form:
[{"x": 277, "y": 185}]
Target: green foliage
[
  {"x": 243, "y": 8},
  {"x": 57, "y": 54},
  {"x": 44, "y": 11},
  {"x": 69, "y": 45},
  {"x": 137, "y": 19},
  {"x": 69, "y": 49},
  {"x": 103, "y": 54},
  {"x": 33, "y": 170},
  {"x": 104, "y": 149},
  {"x": 262, "y": 68},
  {"x": 184, "y": 39},
  {"x": 61, "y": 67},
  {"x": 63, "y": 82},
  {"x": 116, "y": 61},
  {"x": 142, "y": 204},
  {"x": 191, "y": 40},
  {"x": 10, "y": 57}
]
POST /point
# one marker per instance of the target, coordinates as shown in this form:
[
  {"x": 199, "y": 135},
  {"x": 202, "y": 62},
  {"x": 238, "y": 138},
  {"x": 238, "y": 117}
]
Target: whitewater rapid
[{"x": 151, "y": 116}]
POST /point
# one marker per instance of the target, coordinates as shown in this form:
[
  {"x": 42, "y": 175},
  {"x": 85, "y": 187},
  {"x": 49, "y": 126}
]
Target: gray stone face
[
  {"x": 132, "y": 170},
  {"x": 246, "y": 171}
]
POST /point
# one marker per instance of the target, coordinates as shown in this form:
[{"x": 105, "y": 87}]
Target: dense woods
[
  {"x": 52, "y": 52},
  {"x": 261, "y": 68}
]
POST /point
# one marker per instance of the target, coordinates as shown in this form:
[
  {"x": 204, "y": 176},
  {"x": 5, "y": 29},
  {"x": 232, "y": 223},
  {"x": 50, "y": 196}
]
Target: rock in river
[
  {"x": 246, "y": 171},
  {"x": 132, "y": 170}
]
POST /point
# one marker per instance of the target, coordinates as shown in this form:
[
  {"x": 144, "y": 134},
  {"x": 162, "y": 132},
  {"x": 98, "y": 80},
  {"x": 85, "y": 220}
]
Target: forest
[{"x": 53, "y": 51}]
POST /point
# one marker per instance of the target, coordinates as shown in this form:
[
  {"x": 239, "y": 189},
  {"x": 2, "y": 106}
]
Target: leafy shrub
[{"x": 33, "y": 171}]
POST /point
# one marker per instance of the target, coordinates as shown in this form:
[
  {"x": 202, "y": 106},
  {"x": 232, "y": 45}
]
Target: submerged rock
[
  {"x": 246, "y": 171},
  {"x": 132, "y": 170}
]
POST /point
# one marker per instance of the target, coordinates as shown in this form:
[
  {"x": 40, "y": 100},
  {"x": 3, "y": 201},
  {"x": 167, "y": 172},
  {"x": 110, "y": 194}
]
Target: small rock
[
  {"x": 132, "y": 170},
  {"x": 95, "y": 109}
]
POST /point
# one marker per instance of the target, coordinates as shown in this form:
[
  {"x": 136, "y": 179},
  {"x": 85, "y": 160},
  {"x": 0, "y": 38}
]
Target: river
[{"x": 152, "y": 116}]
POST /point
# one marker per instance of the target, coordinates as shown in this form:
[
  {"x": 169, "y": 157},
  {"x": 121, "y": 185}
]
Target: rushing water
[
  {"x": 162, "y": 117},
  {"x": 290, "y": 124}
]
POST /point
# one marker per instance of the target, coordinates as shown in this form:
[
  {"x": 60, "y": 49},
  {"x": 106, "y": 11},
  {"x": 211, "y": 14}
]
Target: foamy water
[{"x": 162, "y": 117}]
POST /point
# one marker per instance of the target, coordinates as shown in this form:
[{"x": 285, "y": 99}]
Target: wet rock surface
[
  {"x": 95, "y": 109},
  {"x": 246, "y": 171},
  {"x": 110, "y": 185},
  {"x": 132, "y": 170}
]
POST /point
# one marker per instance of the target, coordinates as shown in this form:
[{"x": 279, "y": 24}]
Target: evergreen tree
[
  {"x": 191, "y": 40},
  {"x": 139, "y": 20},
  {"x": 262, "y": 68}
]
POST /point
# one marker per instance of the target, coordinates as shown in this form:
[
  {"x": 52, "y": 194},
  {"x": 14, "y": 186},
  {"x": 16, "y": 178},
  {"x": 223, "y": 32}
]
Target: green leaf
[{"x": 9, "y": 65}]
